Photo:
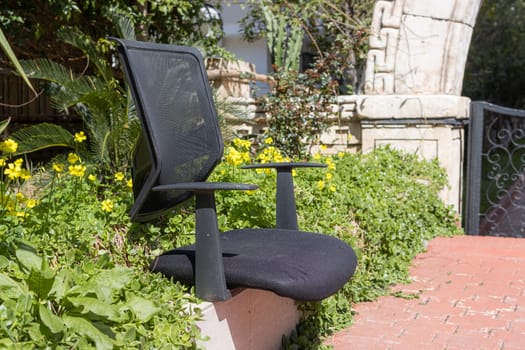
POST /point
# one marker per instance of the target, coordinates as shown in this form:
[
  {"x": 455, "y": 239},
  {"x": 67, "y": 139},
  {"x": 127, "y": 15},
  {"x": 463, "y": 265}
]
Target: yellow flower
[
  {"x": 235, "y": 157},
  {"x": 130, "y": 183},
  {"x": 340, "y": 155},
  {"x": 9, "y": 146},
  {"x": 92, "y": 177},
  {"x": 10, "y": 205},
  {"x": 107, "y": 205},
  {"x": 321, "y": 184},
  {"x": 268, "y": 141},
  {"x": 20, "y": 196},
  {"x": 317, "y": 156},
  {"x": 2, "y": 162},
  {"x": 330, "y": 163},
  {"x": 80, "y": 137},
  {"x": 323, "y": 147},
  {"x": 329, "y": 176},
  {"x": 240, "y": 143},
  {"x": 72, "y": 158},
  {"x": 332, "y": 188},
  {"x": 58, "y": 167},
  {"x": 31, "y": 203},
  {"x": 271, "y": 154},
  {"x": 119, "y": 176},
  {"x": 12, "y": 171},
  {"x": 25, "y": 174},
  {"x": 77, "y": 170}
]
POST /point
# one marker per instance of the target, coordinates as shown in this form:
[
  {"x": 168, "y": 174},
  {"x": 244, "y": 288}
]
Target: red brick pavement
[{"x": 471, "y": 295}]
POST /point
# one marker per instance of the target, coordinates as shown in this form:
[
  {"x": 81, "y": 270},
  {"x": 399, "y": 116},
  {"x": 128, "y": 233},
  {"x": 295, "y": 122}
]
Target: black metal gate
[{"x": 495, "y": 189}]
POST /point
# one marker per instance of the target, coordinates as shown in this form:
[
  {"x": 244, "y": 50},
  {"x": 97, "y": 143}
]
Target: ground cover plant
[{"x": 73, "y": 268}]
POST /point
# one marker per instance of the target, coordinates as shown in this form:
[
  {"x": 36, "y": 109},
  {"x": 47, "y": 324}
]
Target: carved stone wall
[
  {"x": 415, "y": 67},
  {"x": 419, "y": 47}
]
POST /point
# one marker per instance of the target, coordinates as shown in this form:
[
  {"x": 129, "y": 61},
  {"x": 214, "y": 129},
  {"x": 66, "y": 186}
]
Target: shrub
[{"x": 72, "y": 267}]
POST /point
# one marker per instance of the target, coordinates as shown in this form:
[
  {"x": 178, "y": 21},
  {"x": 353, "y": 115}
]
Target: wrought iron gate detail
[{"x": 495, "y": 197}]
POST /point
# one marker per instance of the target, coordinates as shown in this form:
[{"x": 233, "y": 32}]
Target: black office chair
[{"x": 180, "y": 145}]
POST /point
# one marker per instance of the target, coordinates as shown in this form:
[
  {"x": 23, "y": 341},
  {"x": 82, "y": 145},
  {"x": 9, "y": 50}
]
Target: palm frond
[
  {"x": 72, "y": 92},
  {"x": 11, "y": 55},
  {"x": 44, "y": 69},
  {"x": 85, "y": 43},
  {"x": 3, "y": 124},
  {"x": 124, "y": 24},
  {"x": 41, "y": 136}
]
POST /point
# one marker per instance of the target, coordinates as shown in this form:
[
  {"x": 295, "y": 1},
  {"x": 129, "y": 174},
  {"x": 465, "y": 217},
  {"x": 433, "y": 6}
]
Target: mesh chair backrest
[{"x": 181, "y": 139}]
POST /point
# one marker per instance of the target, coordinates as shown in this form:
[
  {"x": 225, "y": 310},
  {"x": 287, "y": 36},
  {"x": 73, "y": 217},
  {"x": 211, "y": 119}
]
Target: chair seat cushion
[{"x": 304, "y": 266}]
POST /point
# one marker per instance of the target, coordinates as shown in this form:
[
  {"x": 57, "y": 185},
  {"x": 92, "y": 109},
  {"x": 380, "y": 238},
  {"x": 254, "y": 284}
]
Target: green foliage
[
  {"x": 495, "y": 65},
  {"x": 299, "y": 107},
  {"x": 335, "y": 32},
  {"x": 93, "y": 304},
  {"x": 72, "y": 267},
  {"x": 32, "y": 26},
  {"x": 285, "y": 39},
  {"x": 98, "y": 99},
  {"x": 12, "y": 58},
  {"x": 41, "y": 136},
  {"x": 4, "y": 124}
]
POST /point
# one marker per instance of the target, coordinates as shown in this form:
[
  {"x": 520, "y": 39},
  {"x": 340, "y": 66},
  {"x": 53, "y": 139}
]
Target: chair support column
[
  {"x": 286, "y": 211},
  {"x": 210, "y": 282}
]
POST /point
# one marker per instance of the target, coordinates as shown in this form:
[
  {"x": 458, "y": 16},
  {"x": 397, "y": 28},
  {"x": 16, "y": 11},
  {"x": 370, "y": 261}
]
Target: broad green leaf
[
  {"x": 29, "y": 259},
  {"x": 143, "y": 309},
  {"x": 4, "y": 262},
  {"x": 41, "y": 282},
  {"x": 84, "y": 327},
  {"x": 98, "y": 307},
  {"x": 10, "y": 288},
  {"x": 107, "y": 281},
  {"x": 35, "y": 333},
  {"x": 50, "y": 320},
  {"x": 61, "y": 284},
  {"x": 10, "y": 54}
]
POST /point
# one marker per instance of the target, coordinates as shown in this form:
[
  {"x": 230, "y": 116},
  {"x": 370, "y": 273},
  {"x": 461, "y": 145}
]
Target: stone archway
[
  {"x": 414, "y": 75},
  {"x": 419, "y": 47}
]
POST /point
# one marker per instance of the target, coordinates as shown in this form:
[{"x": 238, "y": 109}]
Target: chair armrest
[
  {"x": 205, "y": 187},
  {"x": 285, "y": 207},
  {"x": 284, "y": 165},
  {"x": 210, "y": 282}
]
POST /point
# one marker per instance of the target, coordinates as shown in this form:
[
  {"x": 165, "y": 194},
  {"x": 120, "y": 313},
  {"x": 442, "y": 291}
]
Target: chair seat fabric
[{"x": 304, "y": 266}]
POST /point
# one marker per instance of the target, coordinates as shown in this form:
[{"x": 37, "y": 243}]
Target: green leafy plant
[
  {"x": 98, "y": 99},
  {"x": 12, "y": 58},
  {"x": 92, "y": 305},
  {"x": 299, "y": 108},
  {"x": 72, "y": 268}
]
